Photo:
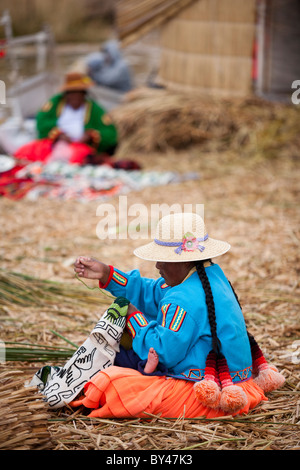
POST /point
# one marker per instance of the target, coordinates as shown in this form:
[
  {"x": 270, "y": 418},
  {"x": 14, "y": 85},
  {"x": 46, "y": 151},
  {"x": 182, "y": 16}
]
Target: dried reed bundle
[
  {"x": 160, "y": 120},
  {"x": 21, "y": 289},
  {"x": 21, "y": 352},
  {"x": 23, "y": 415},
  {"x": 152, "y": 120}
]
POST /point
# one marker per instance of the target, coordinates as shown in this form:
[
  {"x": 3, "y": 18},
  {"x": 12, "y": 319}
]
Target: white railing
[
  {"x": 25, "y": 95},
  {"x": 43, "y": 40}
]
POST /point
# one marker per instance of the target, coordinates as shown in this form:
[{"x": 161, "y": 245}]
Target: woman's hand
[
  {"x": 62, "y": 137},
  {"x": 90, "y": 268},
  {"x": 86, "y": 139}
]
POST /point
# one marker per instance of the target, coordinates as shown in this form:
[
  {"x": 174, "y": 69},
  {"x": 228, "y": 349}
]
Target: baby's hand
[{"x": 90, "y": 268}]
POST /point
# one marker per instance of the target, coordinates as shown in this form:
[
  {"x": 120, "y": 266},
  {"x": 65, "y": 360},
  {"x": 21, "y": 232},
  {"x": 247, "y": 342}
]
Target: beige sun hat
[{"x": 181, "y": 237}]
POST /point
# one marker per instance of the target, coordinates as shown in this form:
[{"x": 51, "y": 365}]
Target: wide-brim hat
[
  {"x": 77, "y": 82},
  {"x": 182, "y": 237}
]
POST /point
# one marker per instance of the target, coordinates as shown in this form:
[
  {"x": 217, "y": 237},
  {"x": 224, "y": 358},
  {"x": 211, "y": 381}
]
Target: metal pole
[{"x": 260, "y": 38}]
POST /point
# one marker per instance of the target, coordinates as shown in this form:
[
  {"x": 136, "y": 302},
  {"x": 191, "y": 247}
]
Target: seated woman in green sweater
[{"x": 71, "y": 127}]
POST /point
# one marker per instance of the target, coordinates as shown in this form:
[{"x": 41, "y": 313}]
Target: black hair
[{"x": 210, "y": 305}]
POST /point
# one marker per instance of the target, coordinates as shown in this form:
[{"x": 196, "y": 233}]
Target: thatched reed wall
[
  {"x": 208, "y": 47},
  {"x": 135, "y": 18}
]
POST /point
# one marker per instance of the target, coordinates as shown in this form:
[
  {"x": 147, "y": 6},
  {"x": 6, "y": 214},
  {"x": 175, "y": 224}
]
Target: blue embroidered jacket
[{"x": 174, "y": 321}]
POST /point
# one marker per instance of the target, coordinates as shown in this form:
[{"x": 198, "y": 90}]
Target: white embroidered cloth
[{"x": 60, "y": 385}]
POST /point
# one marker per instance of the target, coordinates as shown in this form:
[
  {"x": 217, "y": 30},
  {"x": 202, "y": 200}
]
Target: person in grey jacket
[{"x": 108, "y": 68}]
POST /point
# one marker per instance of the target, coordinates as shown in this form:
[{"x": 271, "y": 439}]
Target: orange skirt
[{"x": 118, "y": 392}]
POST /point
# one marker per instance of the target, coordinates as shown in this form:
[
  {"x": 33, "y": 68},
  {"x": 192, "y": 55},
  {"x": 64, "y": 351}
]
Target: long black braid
[{"x": 210, "y": 305}]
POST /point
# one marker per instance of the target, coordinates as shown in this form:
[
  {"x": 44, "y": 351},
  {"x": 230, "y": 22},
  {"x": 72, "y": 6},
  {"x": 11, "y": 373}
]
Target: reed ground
[{"x": 250, "y": 190}]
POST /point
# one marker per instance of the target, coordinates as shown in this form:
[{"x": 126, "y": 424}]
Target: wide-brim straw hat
[
  {"x": 77, "y": 82},
  {"x": 182, "y": 237}
]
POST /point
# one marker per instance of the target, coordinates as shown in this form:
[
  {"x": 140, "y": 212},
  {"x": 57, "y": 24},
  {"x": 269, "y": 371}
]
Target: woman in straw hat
[
  {"x": 72, "y": 127},
  {"x": 193, "y": 320}
]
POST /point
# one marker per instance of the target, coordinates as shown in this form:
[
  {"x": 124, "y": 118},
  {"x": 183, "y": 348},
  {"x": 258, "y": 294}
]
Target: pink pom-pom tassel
[
  {"x": 232, "y": 399},
  {"x": 208, "y": 393},
  {"x": 268, "y": 378}
]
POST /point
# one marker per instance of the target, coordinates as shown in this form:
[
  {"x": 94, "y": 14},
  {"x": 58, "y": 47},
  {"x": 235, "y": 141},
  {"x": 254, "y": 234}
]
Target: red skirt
[
  {"x": 119, "y": 392},
  {"x": 40, "y": 150}
]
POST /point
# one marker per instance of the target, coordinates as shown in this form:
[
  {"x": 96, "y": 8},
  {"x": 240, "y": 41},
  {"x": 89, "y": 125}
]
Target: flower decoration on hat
[{"x": 190, "y": 243}]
